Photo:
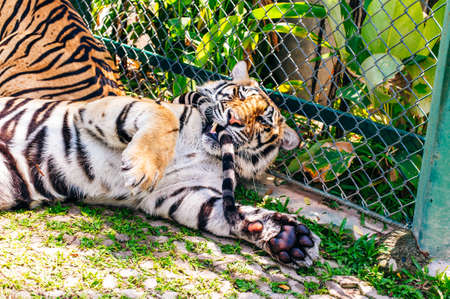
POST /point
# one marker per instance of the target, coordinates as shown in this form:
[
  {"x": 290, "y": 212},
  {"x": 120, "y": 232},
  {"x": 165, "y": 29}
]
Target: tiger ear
[
  {"x": 240, "y": 72},
  {"x": 290, "y": 138}
]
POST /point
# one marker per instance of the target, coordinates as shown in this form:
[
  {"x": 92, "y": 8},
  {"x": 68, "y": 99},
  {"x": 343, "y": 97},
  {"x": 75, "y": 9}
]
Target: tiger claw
[{"x": 139, "y": 176}]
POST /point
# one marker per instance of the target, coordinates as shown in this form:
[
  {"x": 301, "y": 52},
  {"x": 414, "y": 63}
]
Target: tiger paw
[
  {"x": 140, "y": 175},
  {"x": 282, "y": 236}
]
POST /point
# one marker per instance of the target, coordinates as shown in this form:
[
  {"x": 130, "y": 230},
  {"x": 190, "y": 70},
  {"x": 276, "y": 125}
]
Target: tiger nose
[{"x": 233, "y": 119}]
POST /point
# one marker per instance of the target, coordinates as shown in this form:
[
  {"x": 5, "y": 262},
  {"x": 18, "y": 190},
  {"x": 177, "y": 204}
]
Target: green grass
[
  {"x": 358, "y": 258},
  {"x": 37, "y": 254}
]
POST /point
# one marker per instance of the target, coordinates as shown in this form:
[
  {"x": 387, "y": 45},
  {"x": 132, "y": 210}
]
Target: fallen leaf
[
  {"x": 340, "y": 146},
  {"x": 269, "y": 192},
  {"x": 284, "y": 287},
  {"x": 357, "y": 230},
  {"x": 393, "y": 175},
  {"x": 307, "y": 200}
]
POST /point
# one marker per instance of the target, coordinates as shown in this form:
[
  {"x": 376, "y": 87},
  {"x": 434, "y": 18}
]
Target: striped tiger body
[
  {"x": 104, "y": 152},
  {"x": 47, "y": 52}
]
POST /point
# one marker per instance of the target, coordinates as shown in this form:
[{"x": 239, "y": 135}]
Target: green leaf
[
  {"x": 394, "y": 25},
  {"x": 170, "y": 2},
  {"x": 380, "y": 67},
  {"x": 324, "y": 161},
  {"x": 433, "y": 25},
  {"x": 349, "y": 25},
  {"x": 336, "y": 22},
  {"x": 292, "y": 85},
  {"x": 353, "y": 93},
  {"x": 303, "y": 156},
  {"x": 323, "y": 56},
  {"x": 251, "y": 41},
  {"x": 213, "y": 38},
  {"x": 179, "y": 85},
  {"x": 423, "y": 74},
  {"x": 283, "y": 27},
  {"x": 421, "y": 88},
  {"x": 328, "y": 164},
  {"x": 410, "y": 169},
  {"x": 289, "y": 10}
]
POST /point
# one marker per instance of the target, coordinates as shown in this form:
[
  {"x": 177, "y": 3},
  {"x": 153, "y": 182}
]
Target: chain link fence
[{"x": 354, "y": 78}]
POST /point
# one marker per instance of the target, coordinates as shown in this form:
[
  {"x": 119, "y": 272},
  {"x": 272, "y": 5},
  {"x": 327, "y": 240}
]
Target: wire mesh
[{"x": 354, "y": 78}]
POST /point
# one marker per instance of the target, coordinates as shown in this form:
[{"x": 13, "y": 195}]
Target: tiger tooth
[{"x": 213, "y": 128}]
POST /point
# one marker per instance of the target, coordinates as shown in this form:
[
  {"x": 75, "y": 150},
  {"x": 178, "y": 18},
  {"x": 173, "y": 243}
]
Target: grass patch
[
  {"x": 355, "y": 257},
  {"x": 37, "y": 254}
]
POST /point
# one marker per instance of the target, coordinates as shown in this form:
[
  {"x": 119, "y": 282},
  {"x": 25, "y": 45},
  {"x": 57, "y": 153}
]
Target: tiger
[
  {"x": 48, "y": 52},
  {"x": 103, "y": 152}
]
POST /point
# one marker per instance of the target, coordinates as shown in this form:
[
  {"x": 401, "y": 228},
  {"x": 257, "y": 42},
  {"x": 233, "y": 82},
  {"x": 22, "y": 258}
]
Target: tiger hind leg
[{"x": 14, "y": 193}]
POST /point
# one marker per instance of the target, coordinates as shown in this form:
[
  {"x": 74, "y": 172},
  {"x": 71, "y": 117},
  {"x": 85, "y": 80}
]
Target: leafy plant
[{"x": 212, "y": 35}]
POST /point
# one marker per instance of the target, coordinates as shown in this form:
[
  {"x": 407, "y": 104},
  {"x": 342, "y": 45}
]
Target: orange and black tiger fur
[{"x": 47, "y": 52}]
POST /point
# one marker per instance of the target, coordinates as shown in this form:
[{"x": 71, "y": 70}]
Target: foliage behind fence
[{"x": 354, "y": 78}]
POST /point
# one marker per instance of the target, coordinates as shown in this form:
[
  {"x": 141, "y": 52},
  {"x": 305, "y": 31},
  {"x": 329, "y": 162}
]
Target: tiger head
[{"x": 251, "y": 118}]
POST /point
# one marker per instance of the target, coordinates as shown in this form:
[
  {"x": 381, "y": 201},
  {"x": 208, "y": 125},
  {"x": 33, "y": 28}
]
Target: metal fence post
[{"x": 431, "y": 223}]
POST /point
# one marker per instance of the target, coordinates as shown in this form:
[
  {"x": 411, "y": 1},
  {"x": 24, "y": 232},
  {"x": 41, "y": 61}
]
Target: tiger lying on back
[{"x": 66, "y": 150}]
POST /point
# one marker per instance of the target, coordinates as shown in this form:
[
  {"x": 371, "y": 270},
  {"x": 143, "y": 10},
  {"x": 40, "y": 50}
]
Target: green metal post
[{"x": 431, "y": 224}]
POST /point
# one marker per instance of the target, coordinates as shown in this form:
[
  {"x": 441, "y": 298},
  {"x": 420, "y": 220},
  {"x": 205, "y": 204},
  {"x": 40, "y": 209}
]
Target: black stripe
[
  {"x": 179, "y": 191},
  {"x": 100, "y": 131},
  {"x": 68, "y": 74},
  {"x": 181, "y": 99},
  {"x": 263, "y": 153},
  {"x": 227, "y": 161},
  {"x": 67, "y": 135},
  {"x": 195, "y": 97},
  {"x": 267, "y": 150},
  {"x": 83, "y": 156},
  {"x": 10, "y": 106},
  {"x": 48, "y": 66},
  {"x": 78, "y": 86},
  {"x": 14, "y": 48},
  {"x": 183, "y": 117},
  {"x": 37, "y": 118},
  {"x": 205, "y": 212},
  {"x": 227, "y": 184},
  {"x": 45, "y": 55},
  {"x": 159, "y": 201},
  {"x": 81, "y": 113},
  {"x": 96, "y": 137},
  {"x": 11, "y": 17},
  {"x": 8, "y": 130},
  {"x": 271, "y": 139},
  {"x": 58, "y": 182},
  {"x": 96, "y": 93},
  {"x": 174, "y": 207},
  {"x": 33, "y": 153},
  {"x": 19, "y": 187},
  {"x": 81, "y": 54},
  {"x": 123, "y": 135},
  {"x": 225, "y": 139}
]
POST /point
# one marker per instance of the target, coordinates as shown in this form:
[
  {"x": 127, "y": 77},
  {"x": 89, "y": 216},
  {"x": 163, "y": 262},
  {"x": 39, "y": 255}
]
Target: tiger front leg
[
  {"x": 281, "y": 235},
  {"x": 151, "y": 149},
  {"x": 144, "y": 131}
]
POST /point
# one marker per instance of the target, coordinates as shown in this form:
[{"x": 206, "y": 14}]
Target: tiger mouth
[{"x": 211, "y": 131}]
